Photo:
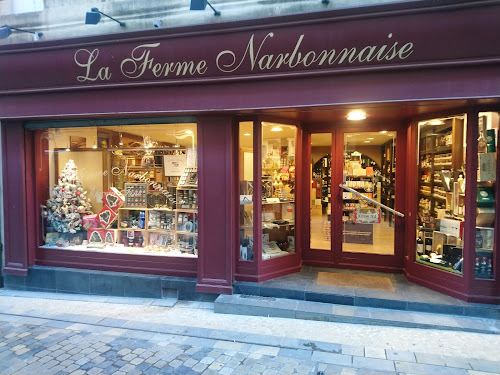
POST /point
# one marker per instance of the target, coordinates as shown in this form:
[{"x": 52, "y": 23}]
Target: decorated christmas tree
[{"x": 68, "y": 203}]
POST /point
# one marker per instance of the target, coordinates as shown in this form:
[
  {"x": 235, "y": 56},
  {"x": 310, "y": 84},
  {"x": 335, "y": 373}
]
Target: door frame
[{"x": 336, "y": 257}]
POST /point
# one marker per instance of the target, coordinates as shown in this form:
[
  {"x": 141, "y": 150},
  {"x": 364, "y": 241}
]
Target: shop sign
[{"x": 367, "y": 215}]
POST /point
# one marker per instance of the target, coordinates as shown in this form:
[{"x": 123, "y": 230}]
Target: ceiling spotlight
[
  {"x": 94, "y": 16},
  {"x": 366, "y": 141},
  {"x": 356, "y": 115},
  {"x": 6, "y": 30},
  {"x": 436, "y": 122},
  {"x": 325, "y": 1},
  {"x": 277, "y": 129},
  {"x": 383, "y": 132},
  {"x": 201, "y": 5},
  {"x": 247, "y": 134},
  {"x": 158, "y": 23}
]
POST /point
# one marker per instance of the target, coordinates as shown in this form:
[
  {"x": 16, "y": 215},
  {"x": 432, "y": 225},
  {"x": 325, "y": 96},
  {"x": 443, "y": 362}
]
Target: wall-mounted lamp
[
  {"x": 201, "y": 5},
  {"x": 94, "y": 16},
  {"x": 6, "y": 30}
]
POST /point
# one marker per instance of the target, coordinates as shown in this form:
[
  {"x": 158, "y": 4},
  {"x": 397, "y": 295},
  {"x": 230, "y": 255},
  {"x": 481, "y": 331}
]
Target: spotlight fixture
[
  {"x": 201, "y": 5},
  {"x": 325, "y": 1},
  {"x": 356, "y": 115},
  {"x": 6, "y": 30},
  {"x": 94, "y": 16},
  {"x": 158, "y": 23},
  {"x": 276, "y": 129}
]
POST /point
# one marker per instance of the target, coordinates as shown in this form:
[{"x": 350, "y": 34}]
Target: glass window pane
[
  {"x": 441, "y": 199},
  {"x": 246, "y": 160},
  {"x": 369, "y": 171},
  {"x": 320, "y": 202},
  {"x": 488, "y": 124},
  {"x": 122, "y": 189},
  {"x": 278, "y": 189}
]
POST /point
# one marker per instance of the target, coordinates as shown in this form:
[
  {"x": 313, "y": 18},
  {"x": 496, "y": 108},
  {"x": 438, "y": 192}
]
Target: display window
[
  {"x": 488, "y": 125},
  {"x": 441, "y": 193},
  {"x": 122, "y": 189},
  {"x": 278, "y": 189}
]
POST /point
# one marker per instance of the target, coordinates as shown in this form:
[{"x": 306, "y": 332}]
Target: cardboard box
[
  {"x": 451, "y": 227},
  {"x": 106, "y": 217},
  {"x": 113, "y": 199}
]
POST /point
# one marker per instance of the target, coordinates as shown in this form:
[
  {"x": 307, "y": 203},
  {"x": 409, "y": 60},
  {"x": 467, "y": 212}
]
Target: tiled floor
[{"x": 407, "y": 295}]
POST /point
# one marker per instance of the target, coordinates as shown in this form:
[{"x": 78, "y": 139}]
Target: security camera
[{"x": 157, "y": 23}]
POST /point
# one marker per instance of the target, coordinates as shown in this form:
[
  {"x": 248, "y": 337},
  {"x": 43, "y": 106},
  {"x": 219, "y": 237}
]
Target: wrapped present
[
  {"x": 113, "y": 199},
  {"x": 102, "y": 237},
  {"x": 96, "y": 236},
  {"x": 90, "y": 222},
  {"x": 106, "y": 217}
]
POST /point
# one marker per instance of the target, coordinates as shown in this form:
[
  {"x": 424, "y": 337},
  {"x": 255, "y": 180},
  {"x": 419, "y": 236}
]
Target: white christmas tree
[{"x": 68, "y": 203}]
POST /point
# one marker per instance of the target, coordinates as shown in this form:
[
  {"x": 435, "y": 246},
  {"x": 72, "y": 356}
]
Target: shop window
[
  {"x": 278, "y": 189},
  {"x": 121, "y": 189},
  {"x": 488, "y": 124},
  {"x": 246, "y": 160},
  {"x": 441, "y": 193}
]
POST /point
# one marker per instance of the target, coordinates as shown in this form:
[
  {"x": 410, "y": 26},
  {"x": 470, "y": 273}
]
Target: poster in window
[{"x": 174, "y": 164}]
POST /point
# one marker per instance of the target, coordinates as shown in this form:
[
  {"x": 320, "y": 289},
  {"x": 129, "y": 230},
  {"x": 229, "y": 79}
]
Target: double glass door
[{"x": 352, "y": 194}]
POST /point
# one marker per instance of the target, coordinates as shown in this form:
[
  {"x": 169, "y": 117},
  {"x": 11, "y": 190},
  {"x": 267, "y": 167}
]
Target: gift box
[
  {"x": 113, "y": 199},
  {"x": 96, "y": 236},
  {"x": 106, "y": 217},
  {"x": 101, "y": 237},
  {"x": 90, "y": 222}
]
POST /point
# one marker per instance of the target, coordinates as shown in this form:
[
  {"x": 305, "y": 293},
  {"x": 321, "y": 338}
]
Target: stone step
[{"x": 240, "y": 304}]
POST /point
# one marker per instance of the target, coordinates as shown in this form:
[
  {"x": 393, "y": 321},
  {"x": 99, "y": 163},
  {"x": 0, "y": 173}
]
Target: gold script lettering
[{"x": 85, "y": 58}]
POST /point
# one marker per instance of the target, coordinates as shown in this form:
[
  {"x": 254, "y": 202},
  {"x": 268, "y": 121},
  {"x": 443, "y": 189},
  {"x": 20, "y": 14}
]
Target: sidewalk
[{"x": 72, "y": 334}]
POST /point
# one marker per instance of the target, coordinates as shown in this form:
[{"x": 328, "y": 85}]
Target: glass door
[{"x": 368, "y": 192}]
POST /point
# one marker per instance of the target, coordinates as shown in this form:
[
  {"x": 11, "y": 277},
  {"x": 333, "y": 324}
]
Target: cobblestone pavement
[{"x": 57, "y": 336}]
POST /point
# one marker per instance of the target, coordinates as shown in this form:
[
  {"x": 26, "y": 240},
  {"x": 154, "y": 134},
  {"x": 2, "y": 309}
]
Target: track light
[
  {"x": 6, "y": 30},
  {"x": 94, "y": 16},
  {"x": 157, "y": 23},
  {"x": 201, "y": 5}
]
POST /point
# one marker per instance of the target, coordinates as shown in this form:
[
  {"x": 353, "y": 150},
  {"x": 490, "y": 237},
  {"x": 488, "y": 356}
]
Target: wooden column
[
  {"x": 15, "y": 198},
  {"x": 216, "y": 170}
]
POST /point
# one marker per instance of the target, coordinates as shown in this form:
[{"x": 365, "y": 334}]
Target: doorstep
[
  {"x": 405, "y": 296},
  {"x": 238, "y": 304}
]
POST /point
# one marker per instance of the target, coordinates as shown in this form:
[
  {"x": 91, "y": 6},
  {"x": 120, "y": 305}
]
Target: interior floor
[{"x": 383, "y": 237}]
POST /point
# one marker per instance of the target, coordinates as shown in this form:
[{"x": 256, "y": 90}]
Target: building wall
[{"x": 58, "y": 19}]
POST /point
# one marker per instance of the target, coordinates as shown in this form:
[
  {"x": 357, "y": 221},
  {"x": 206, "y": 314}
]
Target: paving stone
[
  {"x": 485, "y": 365},
  {"x": 424, "y": 369},
  {"x": 332, "y": 358},
  {"x": 400, "y": 356},
  {"x": 374, "y": 352},
  {"x": 373, "y": 363}
]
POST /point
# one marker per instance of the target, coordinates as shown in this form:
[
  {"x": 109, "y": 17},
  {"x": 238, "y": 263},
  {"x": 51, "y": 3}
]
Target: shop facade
[{"x": 223, "y": 152}]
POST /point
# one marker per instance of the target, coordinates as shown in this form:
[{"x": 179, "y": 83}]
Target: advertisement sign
[{"x": 367, "y": 215}]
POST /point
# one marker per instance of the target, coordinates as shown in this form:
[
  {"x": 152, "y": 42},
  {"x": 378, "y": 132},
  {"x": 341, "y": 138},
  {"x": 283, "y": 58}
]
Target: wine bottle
[
  {"x": 483, "y": 267},
  {"x": 420, "y": 246},
  {"x": 489, "y": 270},
  {"x": 428, "y": 246},
  {"x": 477, "y": 267},
  {"x": 481, "y": 143}
]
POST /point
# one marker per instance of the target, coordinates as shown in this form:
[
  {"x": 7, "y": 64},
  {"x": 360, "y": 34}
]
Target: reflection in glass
[
  {"x": 487, "y": 149},
  {"x": 320, "y": 202},
  {"x": 369, "y": 169},
  {"x": 278, "y": 189},
  {"x": 246, "y": 190},
  {"x": 441, "y": 195}
]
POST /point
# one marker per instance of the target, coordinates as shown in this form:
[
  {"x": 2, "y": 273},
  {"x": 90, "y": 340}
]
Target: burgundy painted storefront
[{"x": 402, "y": 61}]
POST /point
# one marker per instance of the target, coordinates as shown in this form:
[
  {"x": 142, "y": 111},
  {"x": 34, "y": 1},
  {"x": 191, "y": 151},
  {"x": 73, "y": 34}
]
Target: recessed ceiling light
[
  {"x": 383, "y": 132},
  {"x": 436, "y": 122},
  {"x": 356, "y": 115},
  {"x": 247, "y": 134},
  {"x": 370, "y": 138},
  {"x": 367, "y": 141},
  {"x": 276, "y": 129}
]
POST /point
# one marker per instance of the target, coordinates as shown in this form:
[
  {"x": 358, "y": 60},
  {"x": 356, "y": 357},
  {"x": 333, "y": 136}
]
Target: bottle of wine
[
  {"x": 428, "y": 246},
  {"x": 420, "y": 246},
  {"x": 489, "y": 270},
  {"x": 477, "y": 267},
  {"x": 481, "y": 143},
  {"x": 483, "y": 267}
]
